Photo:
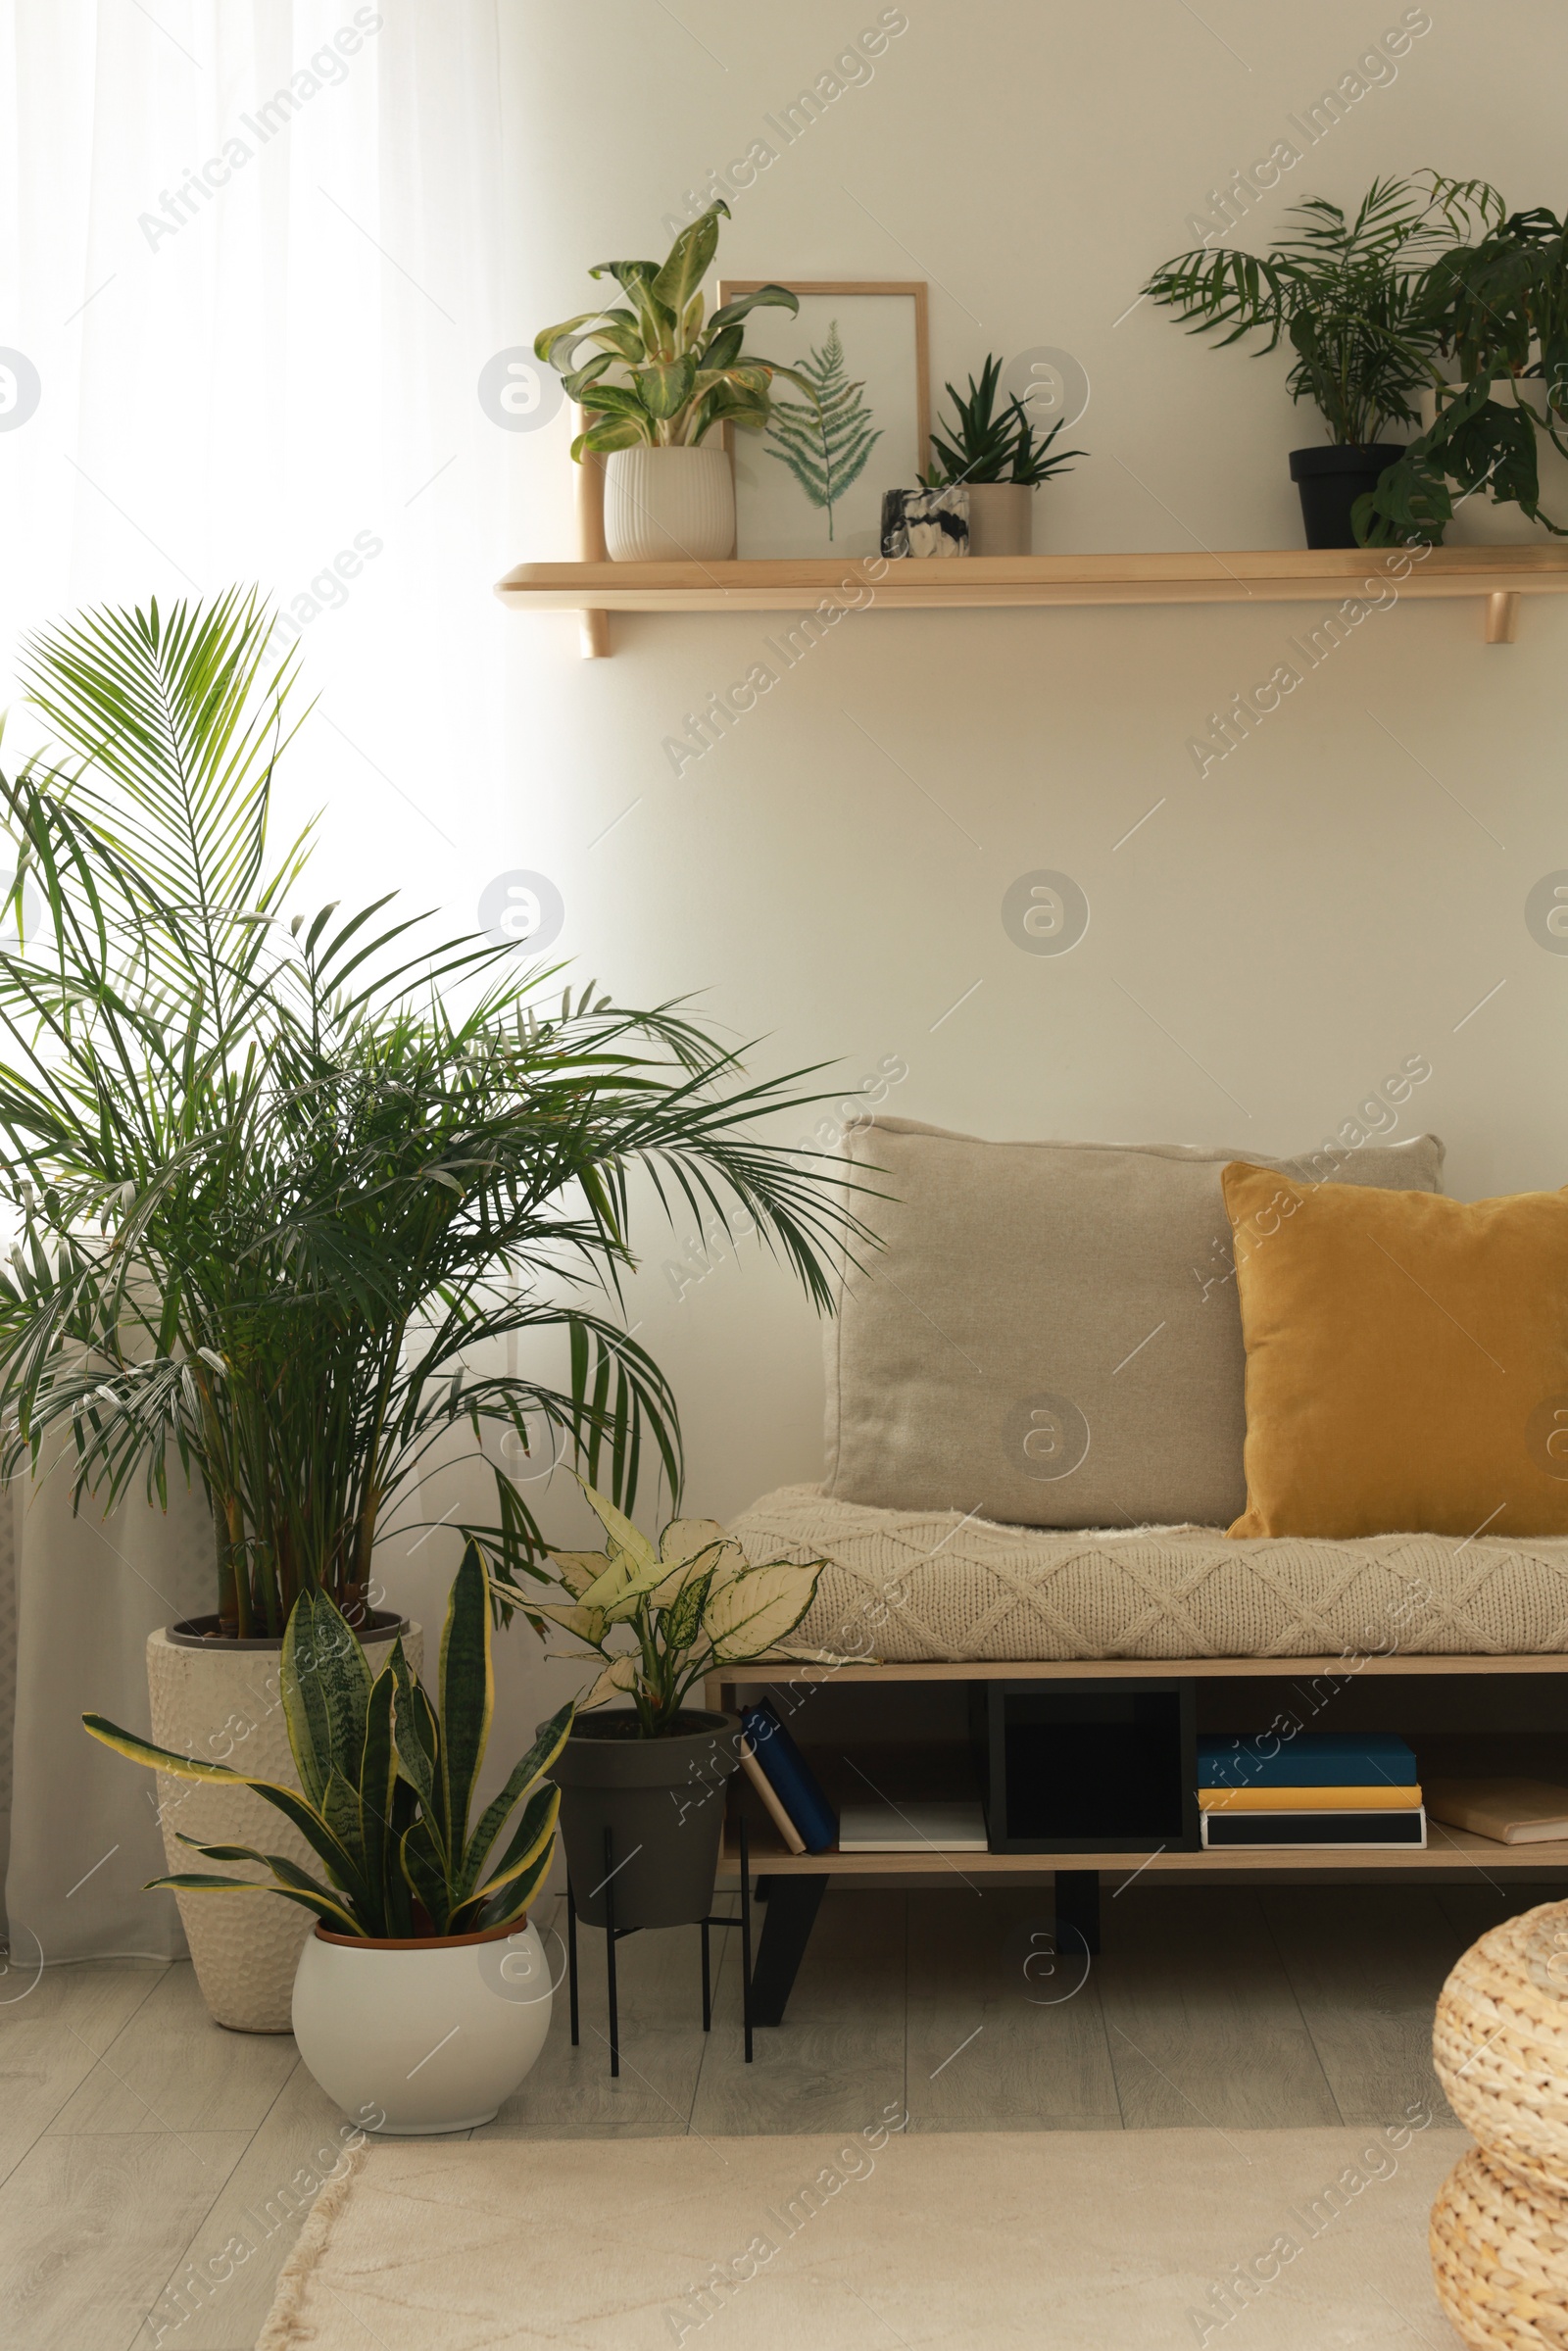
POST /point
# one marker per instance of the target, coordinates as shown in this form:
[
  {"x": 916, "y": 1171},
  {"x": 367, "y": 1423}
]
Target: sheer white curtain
[{"x": 249, "y": 277}]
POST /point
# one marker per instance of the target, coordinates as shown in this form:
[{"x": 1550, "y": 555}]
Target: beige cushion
[
  {"x": 929, "y": 1585},
  {"x": 1049, "y": 1335}
]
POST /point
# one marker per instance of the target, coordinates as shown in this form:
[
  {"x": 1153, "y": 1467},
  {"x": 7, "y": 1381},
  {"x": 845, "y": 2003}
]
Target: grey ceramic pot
[{"x": 662, "y": 1801}]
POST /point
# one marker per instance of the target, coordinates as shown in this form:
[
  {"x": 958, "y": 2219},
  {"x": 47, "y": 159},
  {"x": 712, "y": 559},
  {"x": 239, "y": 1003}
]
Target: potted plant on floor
[
  {"x": 423, "y": 1995},
  {"x": 652, "y": 1773},
  {"x": 995, "y": 452},
  {"x": 284, "y": 1191},
  {"x": 1347, "y": 294},
  {"x": 1498, "y": 310},
  {"x": 670, "y": 492}
]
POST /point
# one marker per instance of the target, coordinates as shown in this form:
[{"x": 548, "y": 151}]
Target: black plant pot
[
  {"x": 662, "y": 1802},
  {"x": 1331, "y": 480}
]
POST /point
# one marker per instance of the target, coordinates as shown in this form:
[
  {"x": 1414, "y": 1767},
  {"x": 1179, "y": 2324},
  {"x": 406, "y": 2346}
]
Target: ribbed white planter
[
  {"x": 413, "y": 2039},
  {"x": 670, "y": 506},
  {"x": 219, "y": 1702}
]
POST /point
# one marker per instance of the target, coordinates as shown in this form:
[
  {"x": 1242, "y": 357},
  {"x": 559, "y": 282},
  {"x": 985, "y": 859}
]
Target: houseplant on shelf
[
  {"x": 281, "y": 1187},
  {"x": 668, "y": 489},
  {"x": 412, "y": 1940},
  {"x": 995, "y": 452},
  {"x": 1347, "y": 294},
  {"x": 652, "y": 1773},
  {"x": 1498, "y": 308}
]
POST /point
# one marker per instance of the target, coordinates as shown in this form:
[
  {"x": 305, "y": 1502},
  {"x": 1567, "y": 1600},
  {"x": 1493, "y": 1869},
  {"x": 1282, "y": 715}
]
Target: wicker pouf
[
  {"x": 1500, "y": 2226},
  {"x": 1500, "y": 2255},
  {"x": 1499, "y": 2043}
]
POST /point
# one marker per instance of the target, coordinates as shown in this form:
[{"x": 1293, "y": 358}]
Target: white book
[{"x": 943, "y": 1827}]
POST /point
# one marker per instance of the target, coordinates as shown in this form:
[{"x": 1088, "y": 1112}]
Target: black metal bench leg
[
  {"x": 610, "y": 1956},
  {"x": 746, "y": 1940},
  {"x": 572, "y": 1957},
  {"x": 707, "y": 1985},
  {"x": 792, "y": 1908},
  {"x": 1078, "y": 1911}
]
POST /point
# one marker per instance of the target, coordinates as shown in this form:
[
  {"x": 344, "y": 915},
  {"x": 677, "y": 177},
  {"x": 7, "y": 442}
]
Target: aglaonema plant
[
  {"x": 687, "y": 1605},
  {"x": 680, "y": 372},
  {"x": 388, "y": 1783}
]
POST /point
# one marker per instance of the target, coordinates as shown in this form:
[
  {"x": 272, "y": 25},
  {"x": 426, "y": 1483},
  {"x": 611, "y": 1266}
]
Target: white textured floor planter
[
  {"x": 411, "y": 2039},
  {"x": 670, "y": 506},
  {"x": 220, "y": 1700}
]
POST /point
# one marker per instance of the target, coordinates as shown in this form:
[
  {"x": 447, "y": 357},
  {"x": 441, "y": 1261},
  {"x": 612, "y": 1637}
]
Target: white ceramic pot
[
  {"x": 220, "y": 1700},
  {"x": 1000, "y": 517},
  {"x": 411, "y": 2039},
  {"x": 670, "y": 506}
]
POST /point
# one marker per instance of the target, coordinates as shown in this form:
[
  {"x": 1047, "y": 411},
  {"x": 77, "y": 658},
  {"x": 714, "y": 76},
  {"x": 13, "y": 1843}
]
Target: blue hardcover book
[
  {"x": 793, "y": 1779},
  {"x": 1311, "y": 1759}
]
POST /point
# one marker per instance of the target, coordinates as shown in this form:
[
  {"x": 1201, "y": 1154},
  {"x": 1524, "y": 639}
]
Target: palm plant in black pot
[{"x": 1344, "y": 291}]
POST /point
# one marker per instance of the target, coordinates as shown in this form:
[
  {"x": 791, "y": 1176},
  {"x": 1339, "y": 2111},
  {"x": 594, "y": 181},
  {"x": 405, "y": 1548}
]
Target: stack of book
[
  {"x": 785, "y": 1781},
  {"x": 1322, "y": 1787}
]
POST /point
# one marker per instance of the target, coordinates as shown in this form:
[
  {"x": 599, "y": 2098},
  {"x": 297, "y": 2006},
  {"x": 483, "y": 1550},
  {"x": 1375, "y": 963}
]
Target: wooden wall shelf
[{"x": 1494, "y": 576}]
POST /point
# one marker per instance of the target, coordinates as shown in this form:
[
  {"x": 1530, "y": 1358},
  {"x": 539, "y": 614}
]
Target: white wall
[{"x": 1292, "y": 924}]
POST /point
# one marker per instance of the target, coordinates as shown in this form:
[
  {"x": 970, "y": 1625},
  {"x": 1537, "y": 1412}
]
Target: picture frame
[{"x": 786, "y": 501}]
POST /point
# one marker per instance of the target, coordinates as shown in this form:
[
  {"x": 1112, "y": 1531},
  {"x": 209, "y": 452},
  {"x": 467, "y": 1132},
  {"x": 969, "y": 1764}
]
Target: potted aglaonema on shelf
[
  {"x": 643, "y": 1784},
  {"x": 423, "y": 1996},
  {"x": 1348, "y": 294},
  {"x": 996, "y": 453},
  {"x": 278, "y": 1182},
  {"x": 664, "y": 377}
]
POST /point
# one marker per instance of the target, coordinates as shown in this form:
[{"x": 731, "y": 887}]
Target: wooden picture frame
[{"x": 772, "y": 517}]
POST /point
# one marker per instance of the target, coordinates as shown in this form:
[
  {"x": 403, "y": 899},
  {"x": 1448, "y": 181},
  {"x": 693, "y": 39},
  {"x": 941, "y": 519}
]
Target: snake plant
[
  {"x": 690, "y": 1605},
  {"x": 388, "y": 1783},
  {"x": 682, "y": 373}
]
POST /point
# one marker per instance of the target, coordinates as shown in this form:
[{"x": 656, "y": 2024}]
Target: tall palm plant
[
  {"x": 286, "y": 1192},
  {"x": 1344, "y": 290}
]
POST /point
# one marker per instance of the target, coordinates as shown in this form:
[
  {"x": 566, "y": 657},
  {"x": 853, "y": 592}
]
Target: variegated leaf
[
  {"x": 578, "y": 1569},
  {"x": 621, "y": 1676},
  {"x": 759, "y": 1608}
]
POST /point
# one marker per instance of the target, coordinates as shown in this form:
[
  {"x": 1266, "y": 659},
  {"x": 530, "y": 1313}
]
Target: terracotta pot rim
[{"x": 419, "y": 1943}]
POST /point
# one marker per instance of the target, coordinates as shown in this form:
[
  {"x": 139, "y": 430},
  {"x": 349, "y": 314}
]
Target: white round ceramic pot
[
  {"x": 220, "y": 1700},
  {"x": 670, "y": 506},
  {"x": 411, "y": 2039}
]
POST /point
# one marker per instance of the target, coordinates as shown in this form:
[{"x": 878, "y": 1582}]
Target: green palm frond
[
  {"x": 1343, "y": 289},
  {"x": 279, "y": 1182}
]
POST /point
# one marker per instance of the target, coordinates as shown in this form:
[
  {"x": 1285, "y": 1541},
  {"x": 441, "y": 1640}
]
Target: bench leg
[
  {"x": 792, "y": 1907},
  {"x": 1078, "y": 1911}
]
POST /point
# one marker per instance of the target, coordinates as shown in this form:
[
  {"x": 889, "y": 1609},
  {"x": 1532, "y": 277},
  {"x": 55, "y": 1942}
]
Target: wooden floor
[{"x": 154, "y": 2169}]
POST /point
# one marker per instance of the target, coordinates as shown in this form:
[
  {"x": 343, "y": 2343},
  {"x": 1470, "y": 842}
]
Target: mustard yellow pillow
[{"x": 1407, "y": 1360}]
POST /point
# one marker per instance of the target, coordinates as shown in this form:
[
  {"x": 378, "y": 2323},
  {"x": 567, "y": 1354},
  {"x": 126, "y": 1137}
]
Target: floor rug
[{"x": 1252, "y": 2240}]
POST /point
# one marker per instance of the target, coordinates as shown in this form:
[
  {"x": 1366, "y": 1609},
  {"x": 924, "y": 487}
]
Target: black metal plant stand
[{"x": 614, "y": 1934}]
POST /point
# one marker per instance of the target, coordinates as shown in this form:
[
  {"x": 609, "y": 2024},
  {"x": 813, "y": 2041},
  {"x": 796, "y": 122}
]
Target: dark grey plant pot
[
  {"x": 1331, "y": 480},
  {"x": 662, "y": 1801}
]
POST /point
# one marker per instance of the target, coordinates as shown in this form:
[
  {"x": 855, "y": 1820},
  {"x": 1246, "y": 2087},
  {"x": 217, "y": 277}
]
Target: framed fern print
[{"x": 812, "y": 483}]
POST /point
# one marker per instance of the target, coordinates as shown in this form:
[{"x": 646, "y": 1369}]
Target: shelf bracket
[
  {"x": 1503, "y": 618},
  {"x": 594, "y": 632}
]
